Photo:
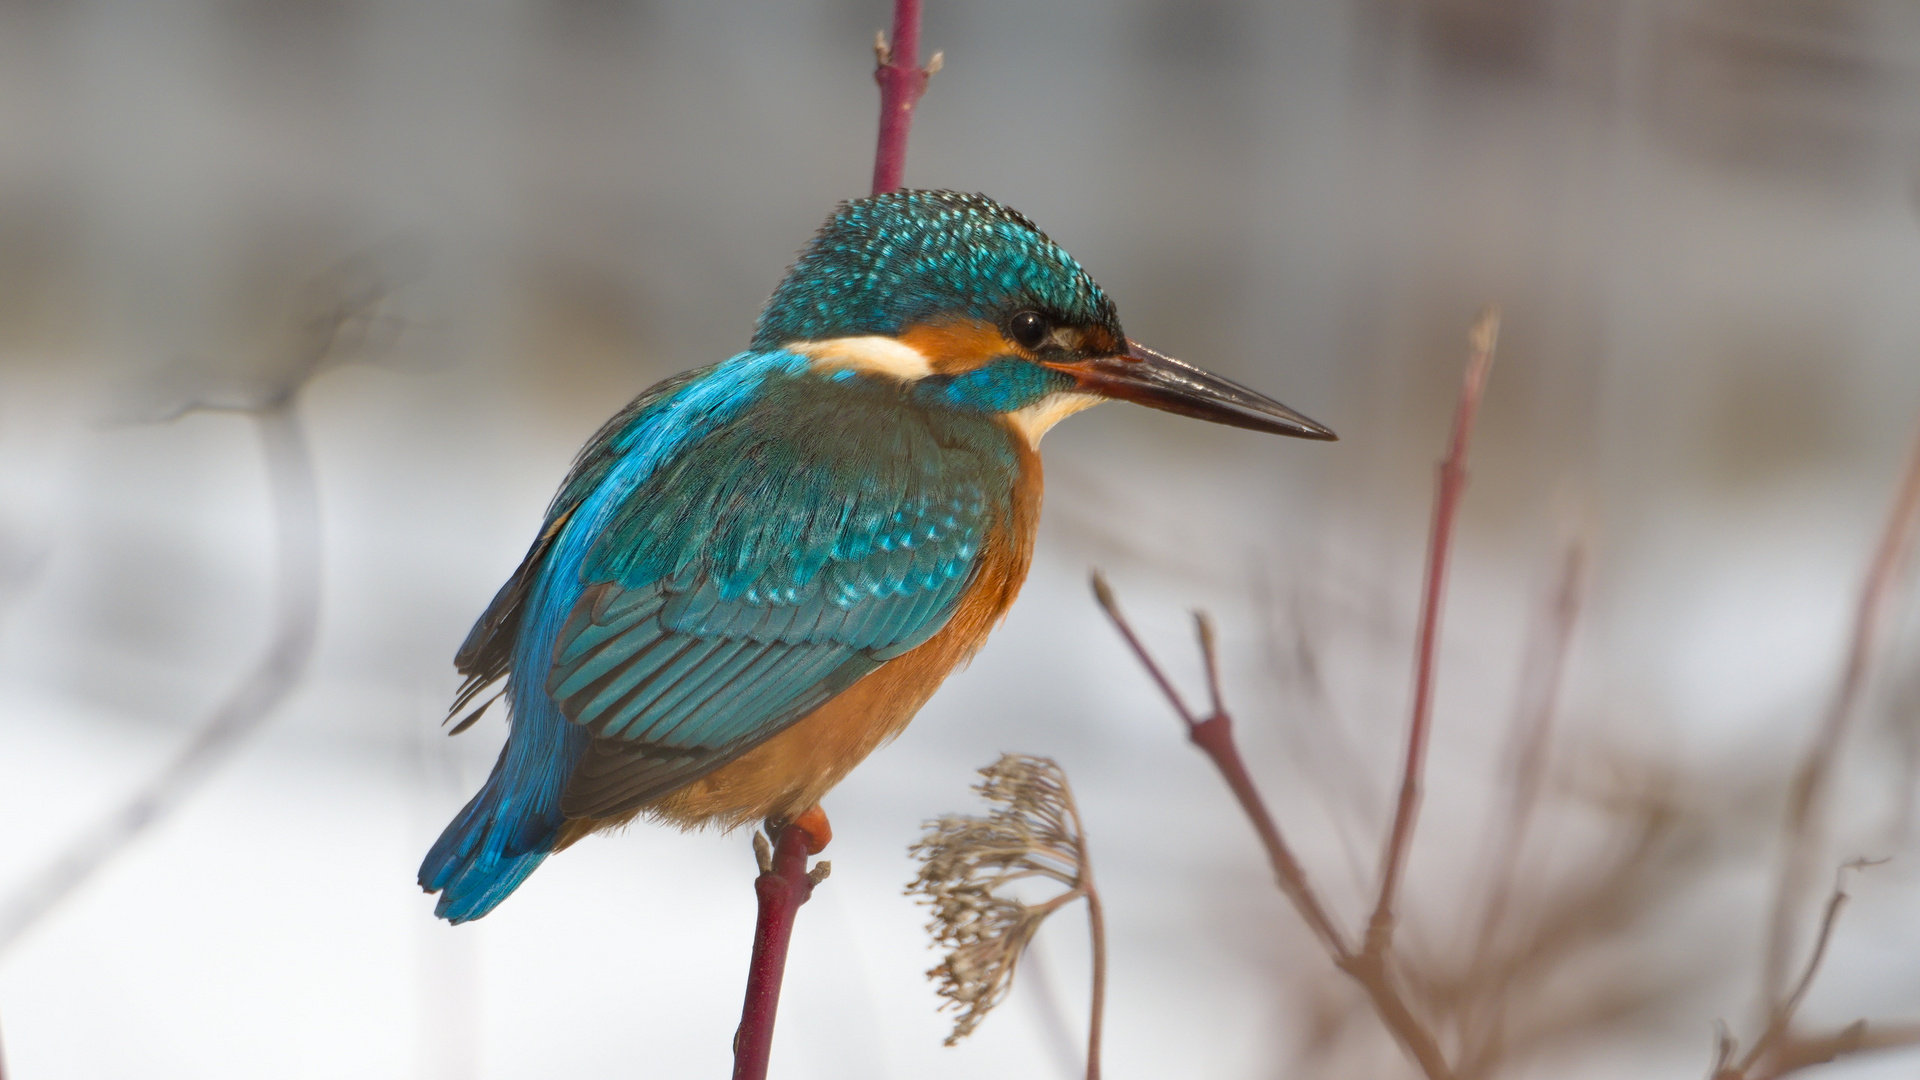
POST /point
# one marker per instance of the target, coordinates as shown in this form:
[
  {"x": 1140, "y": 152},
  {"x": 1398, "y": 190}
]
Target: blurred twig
[
  {"x": 1779, "y": 1051},
  {"x": 1446, "y": 503},
  {"x": 296, "y": 508},
  {"x": 1371, "y": 965},
  {"x": 1805, "y": 825},
  {"x": 1214, "y": 736},
  {"x": 297, "y": 522},
  {"x": 1551, "y": 641}
]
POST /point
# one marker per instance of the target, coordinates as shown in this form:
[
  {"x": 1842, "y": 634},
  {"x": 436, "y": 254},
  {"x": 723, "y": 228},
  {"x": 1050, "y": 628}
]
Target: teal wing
[{"x": 767, "y": 568}]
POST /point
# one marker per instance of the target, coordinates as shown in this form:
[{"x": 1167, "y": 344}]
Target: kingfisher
[{"x": 758, "y": 571}]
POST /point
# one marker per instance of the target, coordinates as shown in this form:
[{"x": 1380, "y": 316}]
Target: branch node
[{"x": 762, "y": 852}]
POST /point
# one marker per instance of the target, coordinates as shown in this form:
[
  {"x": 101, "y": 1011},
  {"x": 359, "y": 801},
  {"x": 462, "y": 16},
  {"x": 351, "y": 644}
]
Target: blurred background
[{"x": 1697, "y": 215}]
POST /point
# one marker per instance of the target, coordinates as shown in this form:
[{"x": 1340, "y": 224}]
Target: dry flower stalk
[{"x": 968, "y": 863}]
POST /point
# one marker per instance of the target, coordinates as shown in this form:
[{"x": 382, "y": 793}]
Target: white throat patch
[
  {"x": 869, "y": 355},
  {"x": 1034, "y": 420}
]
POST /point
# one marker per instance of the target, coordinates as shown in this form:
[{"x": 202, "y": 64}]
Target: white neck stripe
[{"x": 871, "y": 355}]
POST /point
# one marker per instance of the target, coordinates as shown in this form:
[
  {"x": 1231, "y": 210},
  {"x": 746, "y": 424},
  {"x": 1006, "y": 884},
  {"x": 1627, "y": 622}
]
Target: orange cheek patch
[{"x": 960, "y": 345}]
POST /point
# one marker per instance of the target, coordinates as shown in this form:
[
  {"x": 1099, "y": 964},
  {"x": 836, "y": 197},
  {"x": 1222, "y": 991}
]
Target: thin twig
[
  {"x": 1804, "y": 1052},
  {"x": 351, "y": 297},
  {"x": 1446, "y": 503},
  {"x": 1214, "y": 736},
  {"x": 1539, "y": 697},
  {"x": 1541, "y": 673},
  {"x": 1369, "y": 964},
  {"x": 1806, "y": 801},
  {"x": 1097, "y": 931},
  {"x": 296, "y": 505},
  {"x": 1783, "y": 1016},
  {"x": 1778, "y": 1051},
  {"x": 902, "y": 80}
]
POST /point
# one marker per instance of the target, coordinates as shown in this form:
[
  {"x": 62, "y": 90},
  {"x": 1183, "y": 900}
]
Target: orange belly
[{"x": 793, "y": 770}]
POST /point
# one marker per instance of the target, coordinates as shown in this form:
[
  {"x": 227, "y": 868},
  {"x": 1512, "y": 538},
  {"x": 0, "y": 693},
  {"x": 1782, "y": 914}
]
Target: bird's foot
[
  {"x": 813, "y": 822},
  {"x": 810, "y": 824}
]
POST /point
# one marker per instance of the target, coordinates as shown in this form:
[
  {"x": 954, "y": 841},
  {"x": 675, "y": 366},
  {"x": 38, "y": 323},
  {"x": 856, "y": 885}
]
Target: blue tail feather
[
  {"x": 513, "y": 823},
  {"x": 483, "y": 855}
]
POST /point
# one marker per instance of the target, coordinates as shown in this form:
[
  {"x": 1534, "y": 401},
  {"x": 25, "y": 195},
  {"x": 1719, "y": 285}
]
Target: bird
[{"x": 758, "y": 571}]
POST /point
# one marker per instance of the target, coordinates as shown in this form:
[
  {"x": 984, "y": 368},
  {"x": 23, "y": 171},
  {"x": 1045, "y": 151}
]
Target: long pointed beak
[{"x": 1148, "y": 378}]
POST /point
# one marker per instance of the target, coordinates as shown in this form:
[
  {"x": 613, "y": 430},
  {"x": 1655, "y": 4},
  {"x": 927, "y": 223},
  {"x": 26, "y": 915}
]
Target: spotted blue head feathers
[{"x": 885, "y": 263}]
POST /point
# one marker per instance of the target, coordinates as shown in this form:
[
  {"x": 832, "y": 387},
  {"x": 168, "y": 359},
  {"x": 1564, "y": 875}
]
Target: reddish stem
[
  {"x": 1214, "y": 736},
  {"x": 783, "y": 885},
  {"x": 1807, "y": 798},
  {"x": 1453, "y": 480},
  {"x": 902, "y": 80}
]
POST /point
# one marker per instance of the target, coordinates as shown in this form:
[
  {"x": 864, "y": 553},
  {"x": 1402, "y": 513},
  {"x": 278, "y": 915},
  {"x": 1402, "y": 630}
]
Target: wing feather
[{"x": 764, "y": 569}]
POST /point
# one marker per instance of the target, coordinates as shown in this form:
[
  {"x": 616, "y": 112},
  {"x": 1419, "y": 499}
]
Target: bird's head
[{"x": 970, "y": 302}]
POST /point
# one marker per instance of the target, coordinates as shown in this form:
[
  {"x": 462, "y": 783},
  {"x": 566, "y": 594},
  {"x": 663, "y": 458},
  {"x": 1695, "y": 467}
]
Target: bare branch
[
  {"x": 1453, "y": 480},
  {"x": 1806, "y": 801},
  {"x": 1778, "y": 1051},
  {"x": 1214, "y": 736},
  {"x": 785, "y": 883},
  {"x": 1552, "y": 640},
  {"x": 296, "y": 507}
]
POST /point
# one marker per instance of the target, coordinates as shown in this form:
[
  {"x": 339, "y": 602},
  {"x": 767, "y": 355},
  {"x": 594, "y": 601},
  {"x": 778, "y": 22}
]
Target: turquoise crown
[{"x": 886, "y": 262}]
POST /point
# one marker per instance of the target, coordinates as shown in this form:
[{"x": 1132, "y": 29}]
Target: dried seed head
[{"x": 1033, "y": 833}]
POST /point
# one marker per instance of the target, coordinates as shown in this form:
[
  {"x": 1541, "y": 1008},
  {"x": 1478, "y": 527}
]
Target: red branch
[
  {"x": 1370, "y": 965},
  {"x": 1214, "y": 736},
  {"x": 783, "y": 885},
  {"x": 1446, "y": 503},
  {"x": 901, "y": 84},
  {"x": 785, "y": 882}
]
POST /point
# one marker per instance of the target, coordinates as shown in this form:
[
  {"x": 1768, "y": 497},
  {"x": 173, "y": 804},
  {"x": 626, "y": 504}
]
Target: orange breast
[{"x": 793, "y": 770}]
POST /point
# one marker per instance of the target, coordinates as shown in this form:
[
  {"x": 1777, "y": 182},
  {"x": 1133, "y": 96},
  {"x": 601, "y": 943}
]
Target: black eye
[{"x": 1029, "y": 329}]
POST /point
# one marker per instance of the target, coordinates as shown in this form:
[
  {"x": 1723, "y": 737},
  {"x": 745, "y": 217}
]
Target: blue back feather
[
  {"x": 512, "y": 823},
  {"x": 736, "y": 548}
]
